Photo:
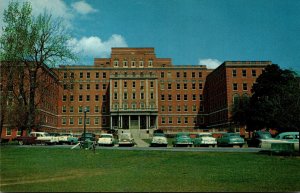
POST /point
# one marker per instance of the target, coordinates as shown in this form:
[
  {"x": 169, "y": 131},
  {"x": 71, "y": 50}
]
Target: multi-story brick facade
[{"x": 135, "y": 89}]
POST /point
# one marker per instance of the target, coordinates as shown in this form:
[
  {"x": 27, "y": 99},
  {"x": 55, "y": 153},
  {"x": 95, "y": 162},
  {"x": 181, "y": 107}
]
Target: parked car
[
  {"x": 126, "y": 139},
  {"x": 159, "y": 139},
  {"x": 36, "y": 138},
  {"x": 230, "y": 139},
  {"x": 257, "y": 137},
  {"x": 205, "y": 139},
  {"x": 88, "y": 137},
  {"x": 106, "y": 139},
  {"x": 67, "y": 138},
  {"x": 182, "y": 139},
  {"x": 282, "y": 138}
]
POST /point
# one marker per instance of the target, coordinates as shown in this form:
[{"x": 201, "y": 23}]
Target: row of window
[
  {"x": 185, "y": 108},
  {"x": 88, "y": 86},
  {"x": 133, "y": 63},
  {"x": 87, "y": 98},
  {"x": 178, "y": 97},
  {"x": 180, "y": 120},
  {"x": 244, "y": 73},
  {"x": 80, "y": 120},
  {"x": 235, "y": 86},
  {"x": 162, "y": 74},
  {"x": 81, "y": 109},
  {"x": 178, "y": 86}
]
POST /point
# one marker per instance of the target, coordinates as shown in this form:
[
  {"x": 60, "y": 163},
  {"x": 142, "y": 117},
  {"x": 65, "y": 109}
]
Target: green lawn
[{"x": 55, "y": 169}]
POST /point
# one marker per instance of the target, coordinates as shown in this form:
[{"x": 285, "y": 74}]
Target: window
[
  {"x": 185, "y": 108},
  {"x": 88, "y": 75},
  {"x": 80, "y": 121},
  {"x": 200, "y": 86},
  {"x": 115, "y": 95},
  {"x": 178, "y": 97},
  {"x": 104, "y": 86},
  {"x": 141, "y": 63},
  {"x": 193, "y": 86},
  {"x": 178, "y": 120},
  {"x": 162, "y": 97},
  {"x": 80, "y": 109},
  {"x": 87, "y": 120},
  {"x": 169, "y": 86},
  {"x": 162, "y": 108},
  {"x": 104, "y": 98},
  {"x": 116, "y": 84},
  {"x": 125, "y": 64},
  {"x": 169, "y": 97},
  {"x": 178, "y": 108},
  {"x": 125, "y": 96},
  {"x": 194, "y": 97},
  {"x": 71, "y": 121},
  {"x": 87, "y": 97},
  {"x": 234, "y": 72},
  {"x": 245, "y": 87},
  {"x": 116, "y": 63},
  {"x": 97, "y": 75},
  {"x": 178, "y": 74},
  {"x": 201, "y": 107},
  {"x": 103, "y": 121},
  {"x": 193, "y": 74},
  {"x": 185, "y": 86},
  {"x": 80, "y": 86},
  {"x": 96, "y": 109},
  {"x": 65, "y": 75},
  {"x": 65, "y": 87},
  {"x": 244, "y": 73},
  {"x": 97, "y": 86},
  {"x": 96, "y": 121},
  {"x": 133, "y": 84},
  {"x": 151, "y": 95},
  {"x": 151, "y": 84},
  {"x": 72, "y": 74},
  {"x": 64, "y": 97},
  {"x": 142, "y": 95},
  {"x": 125, "y": 84},
  {"x": 71, "y": 98},
  {"x": 150, "y": 63},
  {"x": 235, "y": 86},
  {"x": 184, "y": 74},
  {"x": 80, "y": 98},
  {"x": 64, "y": 120},
  {"x": 133, "y": 95},
  {"x": 186, "y": 120},
  {"x": 162, "y": 74},
  {"x": 201, "y": 97},
  {"x": 170, "y": 120},
  {"x": 71, "y": 109},
  {"x": 96, "y": 97},
  {"x": 200, "y": 74},
  {"x": 88, "y": 86},
  {"x": 254, "y": 73},
  {"x": 162, "y": 86},
  {"x": 104, "y": 74},
  {"x": 177, "y": 86},
  {"x": 163, "y": 120},
  {"x": 133, "y": 63},
  {"x": 81, "y": 75},
  {"x": 170, "y": 108},
  {"x": 194, "y": 108},
  {"x": 185, "y": 97},
  {"x": 103, "y": 108}
]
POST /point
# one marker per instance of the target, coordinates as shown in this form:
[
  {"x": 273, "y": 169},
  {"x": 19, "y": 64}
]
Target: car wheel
[{"x": 241, "y": 146}]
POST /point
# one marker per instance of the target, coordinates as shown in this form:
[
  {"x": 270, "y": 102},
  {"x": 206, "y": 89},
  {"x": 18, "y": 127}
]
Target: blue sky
[{"x": 188, "y": 31}]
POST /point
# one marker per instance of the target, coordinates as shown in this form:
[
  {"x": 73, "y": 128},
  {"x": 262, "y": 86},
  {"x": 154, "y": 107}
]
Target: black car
[
  {"x": 255, "y": 140},
  {"x": 88, "y": 137}
]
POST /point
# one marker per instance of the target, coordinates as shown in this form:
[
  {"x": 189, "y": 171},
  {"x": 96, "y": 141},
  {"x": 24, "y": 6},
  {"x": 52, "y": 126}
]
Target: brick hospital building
[{"x": 135, "y": 89}]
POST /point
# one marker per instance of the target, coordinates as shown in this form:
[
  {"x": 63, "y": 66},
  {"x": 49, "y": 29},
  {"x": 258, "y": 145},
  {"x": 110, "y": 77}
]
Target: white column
[
  {"x": 129, "y": 121},
  {"x": 139, "y": 122},
  {"x": 111, "y": 122}
]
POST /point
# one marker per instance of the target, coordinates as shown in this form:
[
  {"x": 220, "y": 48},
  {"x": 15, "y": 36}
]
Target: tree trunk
[{"x": 31, "y": 116}]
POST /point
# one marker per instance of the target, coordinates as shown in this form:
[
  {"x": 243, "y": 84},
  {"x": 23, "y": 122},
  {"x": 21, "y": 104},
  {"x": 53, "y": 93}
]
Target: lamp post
[{"x": 84, "y": 123}]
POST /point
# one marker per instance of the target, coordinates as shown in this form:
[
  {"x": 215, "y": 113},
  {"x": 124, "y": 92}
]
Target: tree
[{"x": 29, "y": 44}]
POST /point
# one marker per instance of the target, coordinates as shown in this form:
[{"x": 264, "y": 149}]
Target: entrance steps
[{"x": 137, "y": 138}]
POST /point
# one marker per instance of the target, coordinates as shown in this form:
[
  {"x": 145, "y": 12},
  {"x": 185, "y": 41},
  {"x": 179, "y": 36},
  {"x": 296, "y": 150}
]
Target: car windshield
[
  {"x": 105, "y": 136},
  {"x": 266, "y": 135},
  {"x": 234, "y": 135},
  {"x": 159, "y": 134}
]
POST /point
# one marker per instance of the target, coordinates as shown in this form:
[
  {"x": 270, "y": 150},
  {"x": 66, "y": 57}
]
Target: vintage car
[
  {"x": 205, "y": 139},
  {"x": 67, "y": 138},
  {"x": 159, "y": 139},
  {"x": 106, "y": 139},
  {"x": 182, "y": 139},
  {"x": 87, "y": 137},
  {"x": 126, "y": 139},
  {"x": 282, "y": 138},
  {"x": 230, "y": 139},
  {"x": 257, "y": 137},
  {"x": 36, "y": 138}
]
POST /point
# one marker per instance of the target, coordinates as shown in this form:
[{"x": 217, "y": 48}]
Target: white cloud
[
  {"x": 94, "y": 47},
  {"x": 210, "y": 63},
  {"x": 83, "y": 8}
]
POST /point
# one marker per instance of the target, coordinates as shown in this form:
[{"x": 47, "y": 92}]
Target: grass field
[{"x": 57, "y": 169}]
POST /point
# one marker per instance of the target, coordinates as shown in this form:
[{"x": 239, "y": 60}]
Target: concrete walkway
[{"x": 136, "y": 136}]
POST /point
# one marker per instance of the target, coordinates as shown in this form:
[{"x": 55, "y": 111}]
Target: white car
[
  {"x": 159, "y": 139},
  {"x": 106, "y": 139},
  {"x": 126, "y": 139},
  {"x": 45, "y": 137},
  {"x": 205, "y": 139}
]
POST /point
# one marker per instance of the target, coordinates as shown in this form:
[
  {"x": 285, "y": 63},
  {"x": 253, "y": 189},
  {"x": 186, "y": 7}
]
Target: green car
[
  {"x": 182, "y": 139},
  {"x": 230, "y": 139}
]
